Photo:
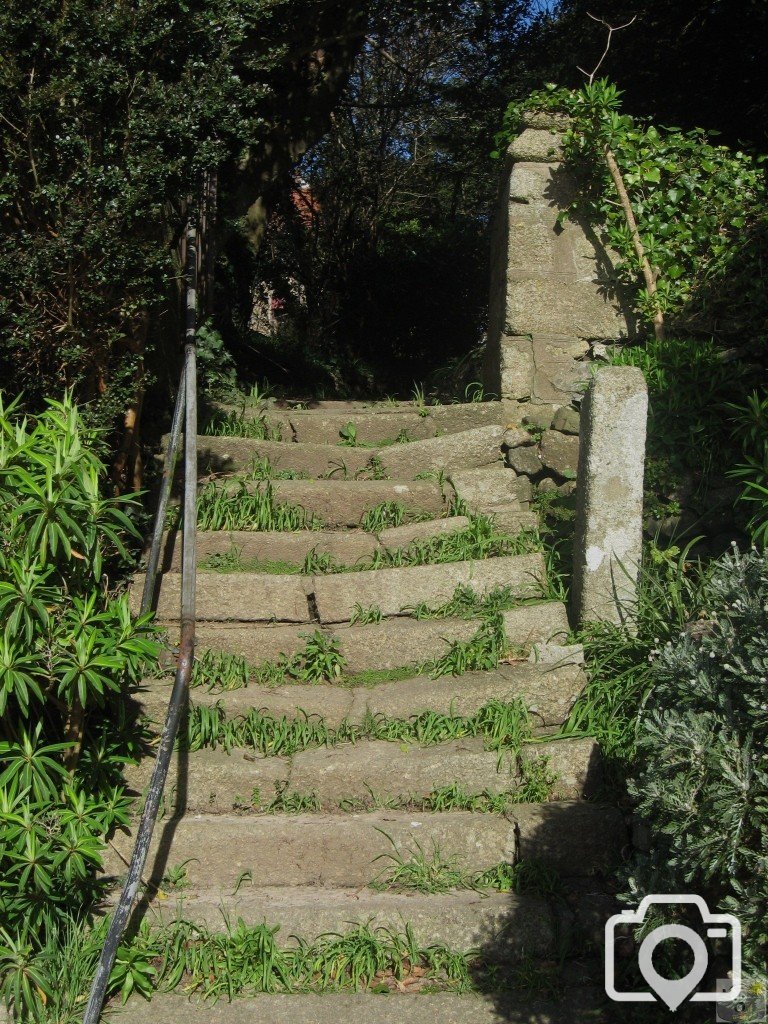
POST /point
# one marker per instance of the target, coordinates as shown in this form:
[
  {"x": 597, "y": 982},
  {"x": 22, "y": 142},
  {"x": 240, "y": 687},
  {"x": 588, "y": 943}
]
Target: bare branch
[{"x": 611, "y": 29}]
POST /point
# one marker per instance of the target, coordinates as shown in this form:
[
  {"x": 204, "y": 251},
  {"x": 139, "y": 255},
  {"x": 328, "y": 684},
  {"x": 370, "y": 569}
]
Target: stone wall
[{"x": 554, "y": 298}]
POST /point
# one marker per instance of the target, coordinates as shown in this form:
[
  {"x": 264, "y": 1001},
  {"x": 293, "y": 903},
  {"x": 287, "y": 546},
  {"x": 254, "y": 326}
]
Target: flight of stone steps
[{"x": 356, "y": 653}]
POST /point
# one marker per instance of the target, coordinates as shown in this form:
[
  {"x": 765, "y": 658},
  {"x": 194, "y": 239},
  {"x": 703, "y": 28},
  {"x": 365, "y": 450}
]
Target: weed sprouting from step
[
  {"x": 482, "y": 652},
  {"x": 383, "y": 516},
  {"x": 320, "y": 661},
  {"x": 220, "y": 670},
  {"x": 244, "y": 509},
  {"x": 262, "y": 469},
  {"x": 320, "y": 563},
  {"x": 288, "y": 801},
  {"x": 374, "y": 469},
  {"x": 365, "y": 616},
  {"x": 234, "y": 423},
  {"x": 537, "y": 780}
]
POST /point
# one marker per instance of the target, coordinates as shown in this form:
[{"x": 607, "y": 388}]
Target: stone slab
[
  {"x": 398, "y": 642},
  {"x": 211, "y": 781},
  {"x": 321, "y": 426},
  {"x": 351, "y": 1008},
  {"x": 394, "y": 590},
  {"x": 401, "y": 536},
  {"x": 487, "y": 489},
  {"x": 238, "y": 597},
  {"x": 257, "y": 643},
  {"x": 344, "y": 502},
  {"x": 238, "y": 454},
  {"x": 347, "y": 547},
  {"x": 339, "y": 850},
  {"x": 560, "y": 453},
  {"x": 536, "y": 624},
  {"x": 466, "y": 448}
]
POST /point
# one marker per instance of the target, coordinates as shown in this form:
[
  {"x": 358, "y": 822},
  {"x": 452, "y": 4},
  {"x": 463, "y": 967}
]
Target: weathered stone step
[
  {"x": 384, "y": 423},
  {"x": 333, "y": 850},
  {"x": 347, "y": 547},
  {"x": 583, "y": 1006},
  {"x": 354, "y": 771},
  {"x": 468, "y": 448},
  {"x": 392, "y": 590},
  {"x": 215, "y": 781},
  {"x": 395, "y": 643},
  {"x": 349, "y": 850},
  {"x": 266, "y": 597},
  {"x": 516, "y": 926},
  {"x": 548, "y": 690},
  {"x": 345, "y": 502}
]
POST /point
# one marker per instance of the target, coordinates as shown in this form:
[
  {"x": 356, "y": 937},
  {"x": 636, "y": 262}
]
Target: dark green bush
[{"x": 701, "y": 776}]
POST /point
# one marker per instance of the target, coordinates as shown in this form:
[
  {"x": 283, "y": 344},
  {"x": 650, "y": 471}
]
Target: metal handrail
[{"x": 186, "y": 406}]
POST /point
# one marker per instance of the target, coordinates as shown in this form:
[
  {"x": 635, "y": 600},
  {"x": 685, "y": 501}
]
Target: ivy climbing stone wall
[{"x": 554, "y": 299}]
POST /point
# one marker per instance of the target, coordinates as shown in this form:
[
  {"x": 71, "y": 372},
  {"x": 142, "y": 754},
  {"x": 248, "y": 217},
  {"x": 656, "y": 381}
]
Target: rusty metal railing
[{"x": 186, "y": 409}]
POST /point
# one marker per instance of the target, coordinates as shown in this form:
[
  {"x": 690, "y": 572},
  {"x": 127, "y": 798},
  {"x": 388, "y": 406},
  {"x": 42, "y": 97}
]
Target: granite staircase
[{"x": 374, "y": 737}]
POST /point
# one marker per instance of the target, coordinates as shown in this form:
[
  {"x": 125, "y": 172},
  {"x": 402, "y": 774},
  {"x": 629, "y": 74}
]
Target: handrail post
[{"x": 187, "y": 644}]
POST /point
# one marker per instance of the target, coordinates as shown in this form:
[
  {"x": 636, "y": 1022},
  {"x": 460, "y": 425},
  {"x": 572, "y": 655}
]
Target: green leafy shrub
[
  {"x": 698, "y": 205},
  {"x": 68, "y": 651},
  {"x": 701, "y": 780}
]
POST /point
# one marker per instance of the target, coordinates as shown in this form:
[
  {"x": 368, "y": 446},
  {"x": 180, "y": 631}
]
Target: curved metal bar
[{"x": 186, "y": 648}]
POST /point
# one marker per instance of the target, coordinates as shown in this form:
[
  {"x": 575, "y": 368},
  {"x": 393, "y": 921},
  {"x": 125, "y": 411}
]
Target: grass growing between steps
[
  {"x": 257, "y": 510},
  {"x": 502, "y": 725},
  {"x": 234, "y": 423},
  {"x": 430, "y": 872}
]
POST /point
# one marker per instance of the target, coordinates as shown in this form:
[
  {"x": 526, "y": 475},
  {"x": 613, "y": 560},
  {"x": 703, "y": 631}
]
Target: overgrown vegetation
[{"x": 69, "y": 651}]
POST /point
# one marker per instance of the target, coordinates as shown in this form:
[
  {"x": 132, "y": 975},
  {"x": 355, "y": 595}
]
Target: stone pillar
[
  {"x": 553, "y": 286},
  {"x": 609, "y": 508}
]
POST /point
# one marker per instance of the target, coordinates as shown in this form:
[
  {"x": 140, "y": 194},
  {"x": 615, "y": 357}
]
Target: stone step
[
  {"x": 217, "y": 781},
  {"x": 548, "y": 690},
  {"x": 349, "y": 850},
  {"x": 345, "y": 502},
  {"x": 394, "y": 643},
  {"x": 582, "y": 1006},
  {"x": 331, "y": 850},
  {"x": 346, "y": 547},
  {"x": 267, "y": 597},
  {"x": 468, "y": 448},
  {"x": 323, "y": 424},
  {"x": 393, "y": 590},
  {"x": 515, "y": 926}
]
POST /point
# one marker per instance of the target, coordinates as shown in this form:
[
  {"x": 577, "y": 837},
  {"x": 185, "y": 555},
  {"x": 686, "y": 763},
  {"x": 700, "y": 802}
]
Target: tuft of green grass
[
  {"x": 383, "y": 516},
  {"x": 365, "y": 616},
  {"x": 245, "y": 509},
  {"x": 234, "y": 423}
]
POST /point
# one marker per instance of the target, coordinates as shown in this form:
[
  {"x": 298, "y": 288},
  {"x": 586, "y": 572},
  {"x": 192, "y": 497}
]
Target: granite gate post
[{"x": 609, "y": 509}]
